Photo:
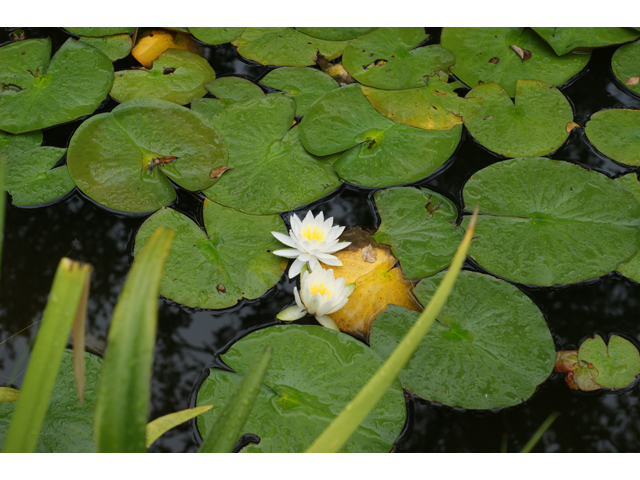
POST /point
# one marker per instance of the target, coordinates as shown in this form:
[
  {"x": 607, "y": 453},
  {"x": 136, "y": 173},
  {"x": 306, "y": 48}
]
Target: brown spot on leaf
[
  {"x": 217, "y": 172},
  {"x": 494, "y": 60},
  {"x": 522, "y": 53},
  {"x": 168, "y": 71},
  {"x": 571, "y": 126},
  {"x": 221, "y": 288},
  {"x": 631, "y": 81},
  {"x": 381, "y": 62},
  {"x": 12, "y": 87}
]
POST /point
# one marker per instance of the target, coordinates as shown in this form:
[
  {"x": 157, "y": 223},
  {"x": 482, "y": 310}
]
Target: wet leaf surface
[
  {"x": 314, "y": 373},
  {"x": 285, "y": 46},
  {"x": 535, "y": 125},
  {"x": 36, "y": 93},
  {"x": 230, "y": 90},
  {"x": 485, "y": 55},
  {"x": 218, "y": 267},
  {"x": 548, "y": 222},
  {"x": 433, "y": 107},
  {"x": 177, "y": 76},
  {"x": 303, "y": 85},
  {"x": 113, "y": 46},
  {"x": 616, "y": 133},
  {"x": 419, "y": 225},
  {"x": 272, "y": 172},
  {"x": 111, "y": 156},
  {"x": 632, "y": 269},
  {"x": 67, "y": 427},
  {"x": 377, "y": 151},
  {"x": 336, "y": 33},
  {"x": 490, "y": 346},
  {"x": 387, "y": 58},
  {"x": 99, "y": 31},
  {"x": 565, "y": 39},
  {"x": 379, "y": 283},
  {"x": 216, "y": 35}
]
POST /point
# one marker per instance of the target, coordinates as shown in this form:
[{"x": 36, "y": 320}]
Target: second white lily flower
[{"x": 312, "y": 240}]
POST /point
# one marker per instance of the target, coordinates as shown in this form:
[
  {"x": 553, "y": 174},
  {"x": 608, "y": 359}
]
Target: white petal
[
  {"x": 288, "y": 253},
  {"x": 313, "y": 303},
  {"x": 327, "y": 321},
  {"x": 339, "y": 246},
  {"x": 295, "y": 268},
  {"x": 294, "y": 312},
  {"x": 305, "y": 257},
  {"x": 324, "y": 308},
  {"x": 338, "y": 306},
  {"x": 350, "y": 288},
  {"x": 297, "y": 297},
  {"x": 308, "y": 218},
  {"x": 313, "y": 263},
  {"x": 329, "y": 260},
  {"x": 286, "y": 239},
  {"x": 320, "y": 218}
]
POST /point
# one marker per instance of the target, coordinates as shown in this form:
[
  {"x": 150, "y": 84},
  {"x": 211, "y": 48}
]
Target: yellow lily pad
[{"x": 379, "y": 283}]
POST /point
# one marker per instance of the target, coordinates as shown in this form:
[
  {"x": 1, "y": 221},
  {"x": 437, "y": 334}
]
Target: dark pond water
[{"x": 189, "y": 340}]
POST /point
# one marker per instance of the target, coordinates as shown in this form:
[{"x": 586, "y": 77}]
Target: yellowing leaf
[
  {"x": 8, "y": 394},
  {"x": 161, "y": 425},
  {"x": 151, "y": 46},
  {"x": 379, "y": 282},
  {"x": 571, "y": 125}
]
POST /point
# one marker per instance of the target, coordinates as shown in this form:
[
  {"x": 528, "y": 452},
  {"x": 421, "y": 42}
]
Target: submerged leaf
[{"x": 301, "y": 396}]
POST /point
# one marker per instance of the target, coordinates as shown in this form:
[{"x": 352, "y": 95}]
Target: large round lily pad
[
  {"x": 303, "y": 85},
  {"x": 336, "y": 33},
  {"x": 36, "y": 93},
  {"x": 377, "y": 151},
  {"x": 216, "y": 35},
  {"x": 113, "y": 46},
  {"x": 272, "y": 172},
  {"x": 315, "y": 372},
  {"x": 490, "y": 346},
  {"x": 631, "y": 269},
  {"x": 285, "y": 46},
  {"x": 67, "y": 427},
  {"x": 548, "y": 222},
  {"x": 99, "y": 31},
  {"x": 535, "y": 125},
  {"x": 234, "y": 89},
  {"x": 218, "y": 267},
  {"x": 433, "y": 107},
  {"x": 419, "y": 225},
  {"x": 566, "y": 39},
  {"x": 123, "y": 159},
  {"x": 486, "y": 55},
  {"x": 177, "y": 76},
  {"x": 616, "y": 133},
  {"x": 626, "y": 66},
  {"x": 388, "y": 58}
]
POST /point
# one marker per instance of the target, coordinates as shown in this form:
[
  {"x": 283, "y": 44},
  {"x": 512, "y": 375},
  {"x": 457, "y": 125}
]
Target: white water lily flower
[
  {"x": 320, "y": 294},
  {"x": 313, "y": 240}
]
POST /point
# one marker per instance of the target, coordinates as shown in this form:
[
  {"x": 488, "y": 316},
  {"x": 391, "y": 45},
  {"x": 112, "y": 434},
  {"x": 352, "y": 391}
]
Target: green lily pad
[
  {"x": 31, "y": 179},
  {"x": 207, "y": 107},
  {"x": 177, "y": 76},
  {"x": 548, "y": 222},
  {"x": 285, "y": 47},
  {"x": 565, "y": 39},
  {"x": 36, "y": 93},
  {"x": 388, "y": 58},
  {"x": 626, "y": 66},
  {"x": 232, "y": 260},
  {"x": 111, "y": 155},
  {"x": 485, "y": 55},
  {"x": 99, "y": 31},
  {"x": 535, "y": 125},
  {"x": 632, "y": 269},
  {"x": 315, "y": 372},
  {"x": 616, "y": 365},
  {"x": 419, "y": 225},
  {"x": 216, "y": 35},
  {"x": 13, "y": 145},
  {"x": 113, "y": 46},
  {"x": 377, "y": 151},
  {"x": 616, "y": 133},
  {"x": 272, "y": 172},
  {"x": 234, "y": 89},
  {"x": 490, "y": 346},
  {"x": 433, "y": 107},
  {"x": 336, "y": 33},
  {"x": 303, "y": 85},
  {"x": 67, "y": 427}
]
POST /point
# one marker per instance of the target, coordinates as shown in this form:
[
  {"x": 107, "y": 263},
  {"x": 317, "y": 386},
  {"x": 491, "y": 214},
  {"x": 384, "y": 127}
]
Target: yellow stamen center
[
  {"x": 315, "y": 233},
  {"x": 321, "y": 289}
]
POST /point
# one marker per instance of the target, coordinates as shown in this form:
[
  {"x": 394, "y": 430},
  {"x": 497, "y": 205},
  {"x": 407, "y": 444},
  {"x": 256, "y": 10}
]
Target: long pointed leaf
[
  {"x": 77, "y": 337},
  {"x": 227, "y": 430},
  {"x": 64, "y": 300},
  {"x": 162, "y": 425},
  {"x": 122, "y": 403},
  {"x": 343, "y": 426},
  {"x": 539, "y": 432}
]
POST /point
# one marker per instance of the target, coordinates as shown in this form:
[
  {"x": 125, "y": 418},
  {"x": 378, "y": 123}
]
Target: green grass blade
[
  {"x": 538, "y": 434},
  {"x": 122, "y": 403},
  {"x": 343, "y": 426},
  {"x": 66, "y": 293},
  {"x": 228, "y": 427},
  {"x": 162, "y": 425}
]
